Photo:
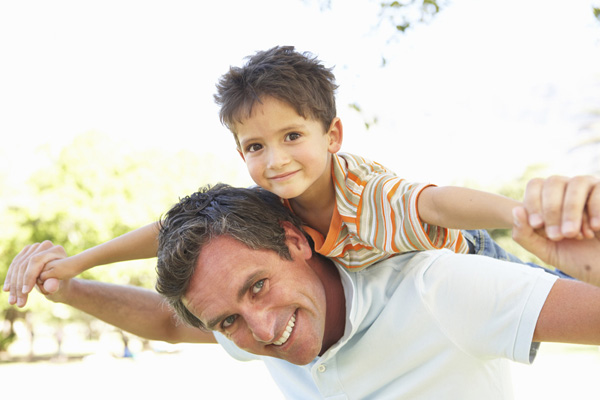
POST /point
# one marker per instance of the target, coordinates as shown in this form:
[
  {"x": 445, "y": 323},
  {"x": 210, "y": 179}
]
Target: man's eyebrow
[{"x": 251, "y": 280}]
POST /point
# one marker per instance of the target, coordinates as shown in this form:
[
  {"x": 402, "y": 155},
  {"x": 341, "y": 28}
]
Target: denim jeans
[{"x": 480, "y": 242}]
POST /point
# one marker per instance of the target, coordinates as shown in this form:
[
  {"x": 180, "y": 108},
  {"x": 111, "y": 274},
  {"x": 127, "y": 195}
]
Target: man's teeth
[{"x": 287, "y": 332}]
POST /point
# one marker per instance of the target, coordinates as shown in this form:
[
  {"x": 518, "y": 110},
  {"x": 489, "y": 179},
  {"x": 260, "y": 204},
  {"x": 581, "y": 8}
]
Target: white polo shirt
[{"x": 426, "y": 325}]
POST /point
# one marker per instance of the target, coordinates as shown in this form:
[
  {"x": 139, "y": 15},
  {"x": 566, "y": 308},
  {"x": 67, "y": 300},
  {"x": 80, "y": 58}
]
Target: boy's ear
[
  {"x": 241, "y": 154},
  {"x": 336, "y": 135}
]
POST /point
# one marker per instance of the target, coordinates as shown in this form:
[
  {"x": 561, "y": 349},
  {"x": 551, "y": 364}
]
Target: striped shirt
[{"x": 376, "y": 217}]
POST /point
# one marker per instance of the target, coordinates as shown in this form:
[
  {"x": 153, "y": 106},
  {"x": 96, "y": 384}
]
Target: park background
[{"x": 107, "y": 117}]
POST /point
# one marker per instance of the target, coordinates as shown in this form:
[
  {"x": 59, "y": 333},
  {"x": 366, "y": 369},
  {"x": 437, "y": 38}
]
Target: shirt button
[{"x": 322, "y": 368}]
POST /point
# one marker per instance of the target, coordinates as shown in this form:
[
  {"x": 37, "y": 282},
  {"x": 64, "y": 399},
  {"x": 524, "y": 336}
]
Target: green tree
[{"x": 94, "y": 191}]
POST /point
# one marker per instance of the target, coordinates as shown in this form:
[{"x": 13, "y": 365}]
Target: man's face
[
  {"x": 286, "y": 153},
  {"x": 266, "y": 305}
]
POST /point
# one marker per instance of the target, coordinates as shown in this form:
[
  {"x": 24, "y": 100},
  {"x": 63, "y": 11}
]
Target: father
[{"x": 422, "y": 325}]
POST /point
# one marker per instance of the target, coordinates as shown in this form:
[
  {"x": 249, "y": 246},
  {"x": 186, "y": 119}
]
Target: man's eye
[
  {"x": 227, "y": 322},
  {"x": 292, "y": 136},
  {"x": 253, "y": 147},
  {"x": 258, "y": 286}
]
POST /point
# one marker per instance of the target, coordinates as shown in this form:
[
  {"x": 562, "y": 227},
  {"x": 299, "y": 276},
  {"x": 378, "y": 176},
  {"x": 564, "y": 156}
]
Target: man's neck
[{"x": 335, "y": 317}]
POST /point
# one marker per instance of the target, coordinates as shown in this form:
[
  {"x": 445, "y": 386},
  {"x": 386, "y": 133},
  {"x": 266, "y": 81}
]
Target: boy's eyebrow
[{"x": 251, "y": 280}]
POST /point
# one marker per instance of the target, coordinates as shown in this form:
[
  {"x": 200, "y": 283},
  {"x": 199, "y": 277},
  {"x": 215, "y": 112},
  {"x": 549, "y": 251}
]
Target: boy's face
[{"x": 286, "y": 153}]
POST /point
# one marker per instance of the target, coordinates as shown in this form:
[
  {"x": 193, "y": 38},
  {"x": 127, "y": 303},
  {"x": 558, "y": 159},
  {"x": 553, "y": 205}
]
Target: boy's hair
[
  {"x": 251, "y": 216},
  {"x": 298, "y": 79}
]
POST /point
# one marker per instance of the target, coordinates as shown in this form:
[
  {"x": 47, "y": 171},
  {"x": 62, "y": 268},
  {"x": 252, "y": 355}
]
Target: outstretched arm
[
  {"x": 30, "y": 265},
  {"x": 136, "y": 310},
  {"x": 564, "y": 207},
  {"x": 139, "y": 311},
  {"x": 461, "y": 208}
]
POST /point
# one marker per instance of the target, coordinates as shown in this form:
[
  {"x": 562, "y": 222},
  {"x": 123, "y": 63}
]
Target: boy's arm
[
  {"x": 30, "y": 265},
  {"x": 461, "y": 208}
]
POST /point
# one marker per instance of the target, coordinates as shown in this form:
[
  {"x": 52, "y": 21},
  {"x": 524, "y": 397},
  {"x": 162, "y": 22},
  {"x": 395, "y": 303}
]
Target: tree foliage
[{"x": 92, "y": 192}]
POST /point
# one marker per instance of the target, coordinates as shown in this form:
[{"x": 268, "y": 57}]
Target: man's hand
[
  {"x": 579, "y": 258},
  {"x": 25, "y": 268},
  {"x": 564, "y": 207}
]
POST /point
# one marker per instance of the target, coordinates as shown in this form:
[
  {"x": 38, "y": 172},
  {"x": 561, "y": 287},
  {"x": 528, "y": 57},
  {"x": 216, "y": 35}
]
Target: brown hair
[
  {"x": 298, "y": 79},
  {"x": 252, "y": 216}
]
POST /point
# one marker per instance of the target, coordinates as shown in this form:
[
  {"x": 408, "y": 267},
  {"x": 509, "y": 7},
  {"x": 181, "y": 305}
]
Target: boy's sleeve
[{"x": 389, "y": 219}]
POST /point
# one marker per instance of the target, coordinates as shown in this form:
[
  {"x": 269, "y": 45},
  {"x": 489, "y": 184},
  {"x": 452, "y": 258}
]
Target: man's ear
[
  {"x": 336, "y": 135},
  {"x": 296, "y": 241}
]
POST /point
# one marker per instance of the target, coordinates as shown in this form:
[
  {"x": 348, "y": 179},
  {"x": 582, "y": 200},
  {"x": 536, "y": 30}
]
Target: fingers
[
  {"x": 565, "y": 207},
  {"x": 49, "y": 286},
  {"x": 578, "y": 194},
  {"x": 533, "y": 202},
  {"x": 36, "y": 264},
  {"x": 524, "y": 234},
  {"x": 593, "y": 207},
  {"x": 14, "y": 276},
  {"x": 26, "y": 267}
]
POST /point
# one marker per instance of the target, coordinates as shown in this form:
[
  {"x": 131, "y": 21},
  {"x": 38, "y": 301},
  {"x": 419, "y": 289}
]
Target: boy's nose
[{"x": 278, "y": 158}]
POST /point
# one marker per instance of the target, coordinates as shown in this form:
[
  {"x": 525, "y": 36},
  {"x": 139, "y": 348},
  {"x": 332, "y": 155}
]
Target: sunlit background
[{"x": 107, "y": 115}]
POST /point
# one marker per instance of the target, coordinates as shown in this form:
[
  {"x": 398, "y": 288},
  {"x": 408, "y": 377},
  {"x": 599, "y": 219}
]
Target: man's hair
[
  {"x": 252, "y": 216},
  {"x": 298, "y": 79}
]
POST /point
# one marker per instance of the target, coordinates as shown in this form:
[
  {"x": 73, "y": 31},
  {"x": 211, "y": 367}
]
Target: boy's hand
[
  {"x": 26, "y": 267},
  {"x": 564, "y": 207},
  {"x": 579, "y": 258}
]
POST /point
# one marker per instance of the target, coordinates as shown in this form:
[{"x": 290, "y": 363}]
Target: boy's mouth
[{"x": 283, "y": 176}]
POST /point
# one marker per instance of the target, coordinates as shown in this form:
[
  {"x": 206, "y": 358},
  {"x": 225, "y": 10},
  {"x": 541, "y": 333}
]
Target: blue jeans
[{"x": 480, "y": 242}]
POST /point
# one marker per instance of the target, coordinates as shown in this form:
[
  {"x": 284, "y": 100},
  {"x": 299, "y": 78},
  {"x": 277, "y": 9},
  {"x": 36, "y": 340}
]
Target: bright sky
[{"x": 481, "y": 92}]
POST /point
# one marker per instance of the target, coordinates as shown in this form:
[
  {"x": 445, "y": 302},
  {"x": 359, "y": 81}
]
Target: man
[{"x": 412, "y": 327}]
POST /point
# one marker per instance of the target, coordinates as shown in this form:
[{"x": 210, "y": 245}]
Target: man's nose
[
  {"x": 278, "y": 157},
  {"x": 262, "y": 325}
]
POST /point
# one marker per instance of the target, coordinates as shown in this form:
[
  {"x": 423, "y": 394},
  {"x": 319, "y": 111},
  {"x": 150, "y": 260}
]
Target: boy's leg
[{"x": 480, "y": 242}]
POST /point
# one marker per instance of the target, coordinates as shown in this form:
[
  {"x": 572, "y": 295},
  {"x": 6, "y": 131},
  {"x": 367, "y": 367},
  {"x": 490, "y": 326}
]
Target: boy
[{"x": 281, "y": 109}]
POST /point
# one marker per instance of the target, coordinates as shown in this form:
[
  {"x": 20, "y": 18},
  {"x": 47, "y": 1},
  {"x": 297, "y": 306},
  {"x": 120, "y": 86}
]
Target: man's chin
[{"x": 303, "y": 358}]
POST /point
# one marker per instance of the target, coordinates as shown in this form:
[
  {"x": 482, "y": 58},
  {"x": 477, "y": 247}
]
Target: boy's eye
[
  {"x": 227, "y": 322},
  {"x": 258, "y": 286},
  {"x": 253, "y": 147},
  {"x": 292, "y": 136}
]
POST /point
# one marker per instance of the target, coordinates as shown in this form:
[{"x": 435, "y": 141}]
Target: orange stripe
[{"x": 393, "y": 215}]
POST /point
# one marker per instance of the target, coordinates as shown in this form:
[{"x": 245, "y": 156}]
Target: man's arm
[
  {"x": 31, "y": 264},
  {"x": 571, "y": 314},
  {"x": 139, "y": 311}
]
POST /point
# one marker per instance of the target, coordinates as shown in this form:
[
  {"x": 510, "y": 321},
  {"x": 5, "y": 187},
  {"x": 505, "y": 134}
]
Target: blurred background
[{"x": 107, "y": 118}]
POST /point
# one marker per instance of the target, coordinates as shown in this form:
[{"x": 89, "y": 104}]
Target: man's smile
[{"x": 287, "y": 332}]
